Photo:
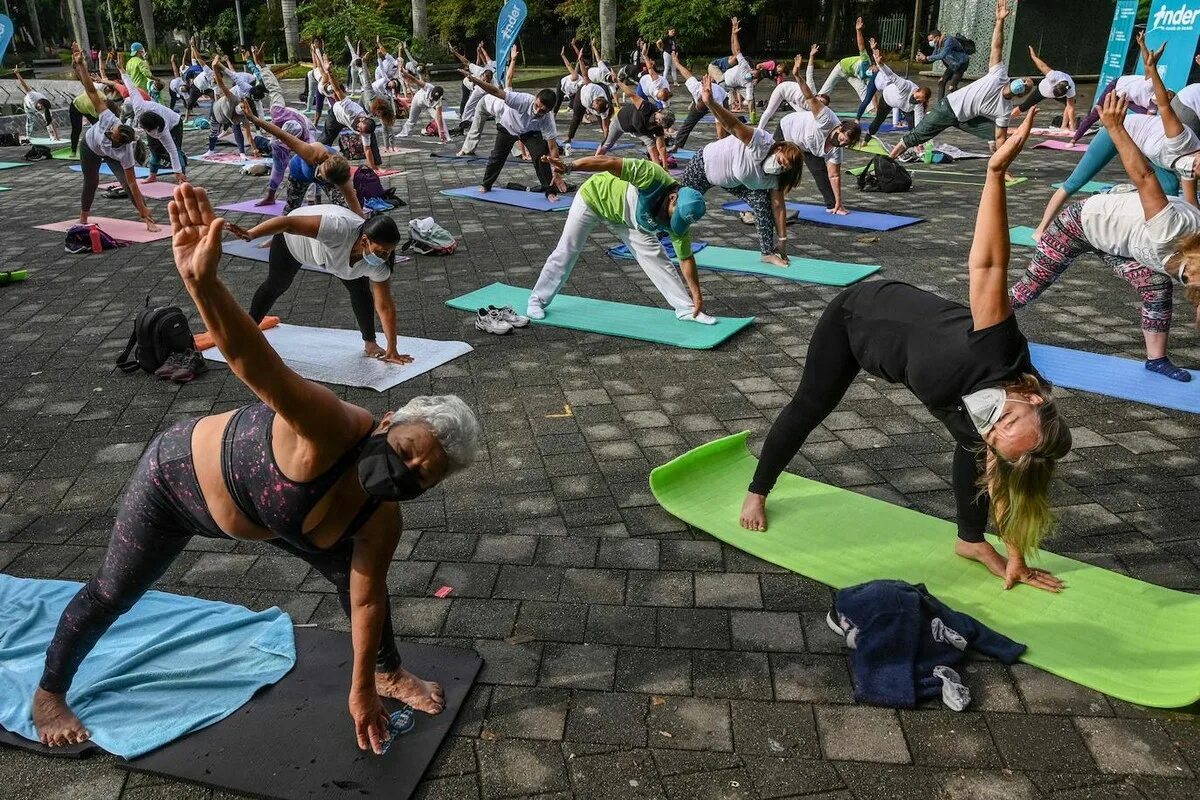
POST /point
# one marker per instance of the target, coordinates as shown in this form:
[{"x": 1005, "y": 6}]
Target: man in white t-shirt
[
  {"x": 347, "y": 114},
  {"x": 975, "y": 109},
  {"x": 699, "y": 108},
  {"x": 590, "y": 99},
  {"x": 1145, "y": 237},
  {"x": 1054, "y": 85},
  {"x": 821, "y": 136},
  {"x": 896, "y": 95},
  {"x": 526, "y": 118},
  {"x": 1186, "y": 105}
]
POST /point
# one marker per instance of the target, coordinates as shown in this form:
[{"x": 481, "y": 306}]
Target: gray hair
[{"x": 452, "y": 421}]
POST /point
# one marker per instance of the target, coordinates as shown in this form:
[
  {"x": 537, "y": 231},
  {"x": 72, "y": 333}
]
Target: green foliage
[
  {"x": 696, "y": 20},
  {"x": 336, "y": 19},
  {"x": 459, "y": 21}
]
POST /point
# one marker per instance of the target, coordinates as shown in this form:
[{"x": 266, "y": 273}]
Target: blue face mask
[
  {"x": 372, "y": 259},
  {"x": 1017, "y": 87}
]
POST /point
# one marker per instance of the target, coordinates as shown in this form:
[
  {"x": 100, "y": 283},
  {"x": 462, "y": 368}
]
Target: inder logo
[{"x": 1181, "y": 18}]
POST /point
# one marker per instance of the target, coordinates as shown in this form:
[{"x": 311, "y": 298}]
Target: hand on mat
[
  {"x": 839, "y": 209},
  {"x": 1007, "y": 153},
  {"x": 196, "y": 241},
  {"x": 370, "y": 721},
  {"x": 238, "y": 231},
  {"x": 1017, "y": 572},
  {"x": 373, "y": 350},
  {"x": 150, "y": 224}
]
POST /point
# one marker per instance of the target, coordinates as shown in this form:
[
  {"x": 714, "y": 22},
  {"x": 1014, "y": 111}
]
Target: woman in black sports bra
[{"x": 302, "y": 470}]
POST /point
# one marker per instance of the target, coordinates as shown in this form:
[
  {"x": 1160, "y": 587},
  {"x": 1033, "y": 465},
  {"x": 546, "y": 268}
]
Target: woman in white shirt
[
  {"x": 896, "y": 95},
  {"x": 1056, "y": 85},
  {"x": 37, "y": 109},
  {"x": 753, "y": 167},
  {"x": 164, "y": 132},
  {"x": 361, "y": 253},
  {"x": 1146, "y": 238},
  {"x": 106, "y": 142},
  {"x": 426, "y": 100}
]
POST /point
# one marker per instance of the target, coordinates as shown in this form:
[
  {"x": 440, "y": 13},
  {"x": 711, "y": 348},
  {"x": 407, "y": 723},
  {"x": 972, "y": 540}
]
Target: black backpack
[
  {"x": 9, "y": 140},
  {"x": 157, "y": 333},
  {"x": 883, "y": 174},
  {"x": 968, "y": 45},
  {"x": 39, "y": 152}
]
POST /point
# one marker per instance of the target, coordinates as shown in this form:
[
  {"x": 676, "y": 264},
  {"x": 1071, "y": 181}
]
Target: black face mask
[{"x": 383, "y": 473}]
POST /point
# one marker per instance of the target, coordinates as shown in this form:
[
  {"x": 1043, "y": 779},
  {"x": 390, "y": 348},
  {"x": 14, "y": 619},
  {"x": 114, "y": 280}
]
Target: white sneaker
[
  {"x": 463, "y": 154},
  {"x": 491, "y": 322},
  {"x": 533, "y": 309},
  {"x": 702, "y": 318},
  {"x": 567, "y": 150},
  {"x": 510, "y": 316},
  {"x": 747, "y": 217},
  {"x": 209, "y": 154}
]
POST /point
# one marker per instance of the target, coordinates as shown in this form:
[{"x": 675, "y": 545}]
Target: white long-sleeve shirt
[{"x": 170, "y": 120}]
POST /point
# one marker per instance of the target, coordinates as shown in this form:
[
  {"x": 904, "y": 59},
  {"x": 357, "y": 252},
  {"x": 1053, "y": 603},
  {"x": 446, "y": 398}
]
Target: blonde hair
[
  {"x": 1020, "y": 490},
  {"x": 1189, "y": 246}
]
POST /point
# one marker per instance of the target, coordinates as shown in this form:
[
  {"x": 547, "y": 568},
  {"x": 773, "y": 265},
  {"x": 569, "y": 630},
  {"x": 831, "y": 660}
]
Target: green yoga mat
[
  {"x": 613, "y": 319},
  {"x": 803, "y": 270},
  {"x": 1022, "y": 236},
  {"x": 63, "y": 154},
  {"x": 1124, "y": 637},
  {"x": 1091, "y": 187},
  {"x": 872, "y": 146},
  {"x": 13, "y": 164}
]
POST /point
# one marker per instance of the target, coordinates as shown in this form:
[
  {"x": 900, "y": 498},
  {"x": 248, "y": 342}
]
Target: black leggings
[
  {"x": 334, "y": 128},
  {"x": 77, "y": 117},
  {"x": 90, "y": 161},
  {"x": 829, "y": 369},
  {"x": 281, "y": 271},
  {"x": 503, "y": 145},
  {"x": 820, "y": 172},
  {"x": 161, "y": 510},
  {"x": 695, "y": 114},
  {"x": 950, "y": 79},
  {"x": 882, "y": 113},
  {"x": 462, "y": 103}
]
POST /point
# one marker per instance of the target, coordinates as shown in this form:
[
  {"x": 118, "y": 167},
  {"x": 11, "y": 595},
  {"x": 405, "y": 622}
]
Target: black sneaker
[
  {"x": 173, "y": 362},
  {"x": 193, "y": 364}
]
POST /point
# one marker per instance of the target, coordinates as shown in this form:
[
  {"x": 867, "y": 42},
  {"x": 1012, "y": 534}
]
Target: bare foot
[
  {"x": 402, "y": 685},
  {"x": 56, "y": 723},
  {"x": 774, "y": 259},
  {"x": 266, "y": 201},
  {"x": 754, "y": 512}
]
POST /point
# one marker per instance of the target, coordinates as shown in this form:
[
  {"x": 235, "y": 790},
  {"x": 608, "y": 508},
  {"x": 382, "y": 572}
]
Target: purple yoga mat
[{"x": 248, "y": 206}]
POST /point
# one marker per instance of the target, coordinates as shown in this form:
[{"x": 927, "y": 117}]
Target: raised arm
[
  {"x": 1170, "y": 120},
  {"x": 494, "y": 91},
  {"x": 595, "y": 53},
  {"x": 510, "y": 69},
  {"x": 724, "y": 116},
  {"x": 735, "y": 47},
  {"x": 21, "y": 81},
  {"x": 810, "y": 70},
  {"x": 484, "y": 52},
  {"x": 89, "y": 86},
  {"x": 997, "y": 52},
  {"x": 460, "y": 58},
  {"x": 1042, "y": 66},
  {"x": 308, "y": 151},
  {"x": 858, "y": 35},
  {"x": 1150, "y": 191},
  {"x": 649, "y": 64},
  {"x": 608, "y": 164},
  {"x": 990, "y": 248}
]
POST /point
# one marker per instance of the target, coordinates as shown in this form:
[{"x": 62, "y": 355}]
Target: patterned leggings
[
  {"x": 758, "y": 199},
  {"x": 1063, "y": 242}
]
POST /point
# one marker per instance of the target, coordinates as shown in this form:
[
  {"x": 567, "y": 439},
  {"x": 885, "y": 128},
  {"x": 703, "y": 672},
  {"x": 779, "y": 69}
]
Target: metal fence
[{"x": 892, "y": 32}]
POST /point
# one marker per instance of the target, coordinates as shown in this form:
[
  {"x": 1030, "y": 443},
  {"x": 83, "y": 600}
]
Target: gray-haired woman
[{"x": 301, "y": 470}]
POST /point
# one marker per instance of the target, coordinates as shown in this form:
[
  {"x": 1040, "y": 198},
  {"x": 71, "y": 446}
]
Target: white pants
[
  {"x": 836, "y": 74},
  {"x": 669, "y": 71},
  {"x": 777, "y": 99},
  {"x": 472, "y": 103},
  {"x": 356, "y": 78},
  {"x": 472, "y": 140},
  {"x": 415, "y": 112},
  {"x": 651, "y": 257}
]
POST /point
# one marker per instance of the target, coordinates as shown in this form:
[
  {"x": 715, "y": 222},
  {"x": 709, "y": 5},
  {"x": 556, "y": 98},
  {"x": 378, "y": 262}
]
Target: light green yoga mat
[
  {"x": 64, "y": 154},
  {"x": 13, "y": 164},
  {"x": 872, "y": 146},
  {"x": 1127, "y": 638},
  {"x": 1022, "y": 236},
  {"x": 613, "y": 319},
  {"x": 1091, "y": 187},
  {"x": 804, "y": 270}
]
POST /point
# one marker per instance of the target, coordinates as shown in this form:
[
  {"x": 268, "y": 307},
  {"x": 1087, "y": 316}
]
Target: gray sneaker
[
  {"x": 173, "y": 362},
  {"x": 491, "y": 322},
  {"x": 510, "y": 316},
  {"x": 192, "y": 365}
]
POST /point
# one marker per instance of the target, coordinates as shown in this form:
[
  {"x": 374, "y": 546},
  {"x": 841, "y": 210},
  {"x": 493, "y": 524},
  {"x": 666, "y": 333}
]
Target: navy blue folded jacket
[{"x": 899, "y": 632}]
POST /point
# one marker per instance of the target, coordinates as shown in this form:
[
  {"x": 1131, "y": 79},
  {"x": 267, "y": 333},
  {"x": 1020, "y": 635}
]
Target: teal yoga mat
[
  {"x": 1022, "y": 236},
  {"x": 612, "y": 319},
  {"x": 13, "y": 164},
  {"x": 803, "y": 270}
]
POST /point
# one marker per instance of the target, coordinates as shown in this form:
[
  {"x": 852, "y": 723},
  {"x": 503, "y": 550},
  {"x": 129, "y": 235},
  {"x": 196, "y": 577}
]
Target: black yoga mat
[
  {"x": 296, "y": 739},
  {"x": 9, "y": 739}
]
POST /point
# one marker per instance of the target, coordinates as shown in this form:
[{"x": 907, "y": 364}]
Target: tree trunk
[
  {"x": 36, "y": 25},
  {"x": 147, "y": 9},
  {"x": 420, "y": 12},
  {"x": 831, "y": 33},
  {"x": 291, "y": 30},
  {"x": 608, "y": 30},
  {"x": 79, "y": 24}
]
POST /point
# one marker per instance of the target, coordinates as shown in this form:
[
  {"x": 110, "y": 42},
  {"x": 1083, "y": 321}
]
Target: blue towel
[{"x": 170, "y": 666}]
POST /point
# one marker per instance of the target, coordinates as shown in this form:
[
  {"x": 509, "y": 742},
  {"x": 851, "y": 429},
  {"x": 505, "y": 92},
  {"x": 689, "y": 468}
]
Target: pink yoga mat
[
  {"x": 127, "y": 229},
  {"x": 1056, "y": 145},
  {"x": 230, "y": 158},
  {"x": 1060, "y": 133},
  {"x": 159, "y": 190},
  {"x": 248, "y": 207}
]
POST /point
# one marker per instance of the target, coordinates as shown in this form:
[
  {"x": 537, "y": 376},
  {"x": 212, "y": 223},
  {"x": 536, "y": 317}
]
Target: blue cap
[
  {"x": 689, "y": 208},
  {"x": 133, "y": 48}
]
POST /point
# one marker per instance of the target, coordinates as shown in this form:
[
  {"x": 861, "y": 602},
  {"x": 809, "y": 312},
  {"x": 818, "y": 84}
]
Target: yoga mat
[
  {"x": 802, "y": 270},
  {"x": 169, "y": 666},
  {"x": 872, "y": 146},
  {"x": 14, "y": 164},
  {"x": 612, "y": 319},
  {"x": 259, "y": 250},
  {"x": 1113, "y": 376},
  {"x": 1022, "y": 236},
  {"x": 296, "y": 739},
  {"x": 684, "y": 155},
  {"x": 454, "y": 156},
  {"x": 622, "y": 251},
  {"x": 531, "y": 201},
  {"x": 586, "y": 145},
  {"x": 64, "y": 154},
  {"x": 230, "y": 159},
  {"x": 1129, "y": 639},
  {"x": 138, "y": 172},
  {"x": 1062, "y": 133},
  {"x": 1057, "y": 145},
  {"x": 5, "y": 188},
  {"x": 159, "y": 190},
  {"x": 886, "y": 127},
  {"x": 860, "y": 220},
  {"x": 129, "y": 230},
  {"x": 248, "y": 207},
  {"x": 1091, "y": 187},
  {"x": 333, "y": 355},
  {"x": 46, "y": 141}
]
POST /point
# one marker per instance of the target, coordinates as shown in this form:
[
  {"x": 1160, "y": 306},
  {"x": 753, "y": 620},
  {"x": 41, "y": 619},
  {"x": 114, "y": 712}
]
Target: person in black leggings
[
  {"x": 969, "y": 366},
  {"x": 304, "y": 470},
  {"x": 334, "y": 239}
]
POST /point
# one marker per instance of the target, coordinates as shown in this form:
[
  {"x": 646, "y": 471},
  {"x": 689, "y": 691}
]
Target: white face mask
[
  {"x": 772, "y": 166},
  {"x": 984, "y": 407}
]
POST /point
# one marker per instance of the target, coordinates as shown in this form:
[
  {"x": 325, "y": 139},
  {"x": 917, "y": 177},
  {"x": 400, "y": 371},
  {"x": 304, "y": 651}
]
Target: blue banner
[
  {"x": 508, "y": 28},
  {"x": 1177, "y": 23},
  {"x": 6, "y": 34},
  {"x": 1119, "y": 39}
]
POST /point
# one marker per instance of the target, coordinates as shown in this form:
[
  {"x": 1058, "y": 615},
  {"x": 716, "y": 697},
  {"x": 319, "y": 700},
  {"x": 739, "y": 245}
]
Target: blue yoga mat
[
  {"x": 586, "y": 145},
  {"x": 1022, "y": 236},
  {"x": 861, "y": 220},
  {"x": 456, "y": 157},
  {"x": 684, "y": 155},
  {"x": 886, "y": 127},
  {"x": 1113, "y": 376},
  {"x": 170, "y": 666},
  {"x": 138, "y": 172},
  {"x": 622, "y": 251},
  {"x": 533, "y": 201}
]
